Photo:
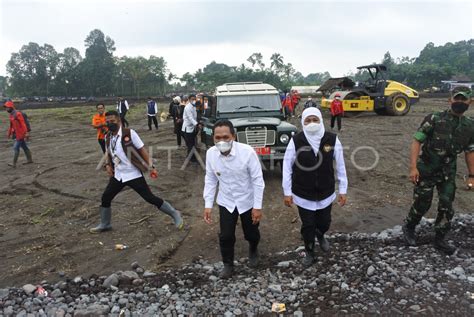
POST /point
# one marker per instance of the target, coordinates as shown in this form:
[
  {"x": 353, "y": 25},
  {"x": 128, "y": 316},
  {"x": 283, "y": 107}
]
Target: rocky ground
[{"x": 363, "y": 274}]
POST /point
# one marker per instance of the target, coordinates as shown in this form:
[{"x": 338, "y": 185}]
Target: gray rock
[
  {"x": 115, "y": 310},
  {"x": 137, "y": 282},
  {"x": 237, "y": 312},
  {"x": 415, "y": 307},
  {"x": 29, "y": 288},
  {"x": 127, "y": 277},
  {"x": 77, "y": 280},
  {"x": 275, "y": 288},
  {"x": 56, "y": 293},
  {"x": 8, "y": 311},
  {"x": 123, "y": 302},
  {"x": 149, "y": 274},
  {"x": 112, "y": 280},
  {"x": 139, "y": 270},
  {"x": 284, "y": 264},
  {"x": 370, "y": 270},
  {"x": 4, "y": 292},
  {"x": 298, "y": 313},
  {"x": 93, "y": 310},
  {"x": 135, "y": 265}
]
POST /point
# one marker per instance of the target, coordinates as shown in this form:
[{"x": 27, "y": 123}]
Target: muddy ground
[{"x": 47, "y": 208}]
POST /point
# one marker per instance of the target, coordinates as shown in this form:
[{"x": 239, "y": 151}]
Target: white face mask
[
  {"x": 312, "y": 128},
  {"x": 224, "y": 146},
  {"x": 193, "y": 102}
]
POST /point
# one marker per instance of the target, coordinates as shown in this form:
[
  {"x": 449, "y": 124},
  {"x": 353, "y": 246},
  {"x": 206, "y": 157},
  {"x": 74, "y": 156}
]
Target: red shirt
[
  {"x": 336, "y": 107},
  {"x": 288, "y": 102},
  {"x": 17, "y": 126}
]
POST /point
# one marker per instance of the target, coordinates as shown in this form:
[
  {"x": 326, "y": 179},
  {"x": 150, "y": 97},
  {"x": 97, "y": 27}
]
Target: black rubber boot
[
  {"x": 309, "y": 256},
  {"x": 227, "y": 272},
  {"x": 409, "y": 235},
  {"x": 323, "y": 243},
  {"x": 15, "y": 159},
  {"x": 253, "y": 256},
  {"x": 105, "y": 218},
  {"x": 29, "y": 158},
  {"x": 443, "y": 246}
]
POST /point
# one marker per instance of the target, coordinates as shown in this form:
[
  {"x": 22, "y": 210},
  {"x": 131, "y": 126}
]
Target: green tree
[{"x": 98, "y": 67}]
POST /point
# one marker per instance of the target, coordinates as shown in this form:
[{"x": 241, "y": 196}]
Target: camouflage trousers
[{"x": 423, "y": 196}]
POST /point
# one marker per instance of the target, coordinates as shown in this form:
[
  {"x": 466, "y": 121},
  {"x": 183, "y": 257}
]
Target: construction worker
[
  {"x": 151, "y": 111},
  {"x": 309, "y": 179},
  {"x": 442, "y": 136},
  {"x": 19, "y": 131},
  {"x": 98, "y": 123},
  {"x": 126, "y": 161},
  {"x": 122, "y": 109},
  {"x": 337, "y": 111}
]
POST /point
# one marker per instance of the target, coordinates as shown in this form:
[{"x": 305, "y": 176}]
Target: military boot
[
  {"x": 105, "y": 217},
  {"x": 409, "y": 235},
  {"x": 443, "y": 246}
]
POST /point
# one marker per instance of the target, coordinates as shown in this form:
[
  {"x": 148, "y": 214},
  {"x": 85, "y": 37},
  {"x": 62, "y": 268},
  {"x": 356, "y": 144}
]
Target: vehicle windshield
[{"x": 248, "y": 103}]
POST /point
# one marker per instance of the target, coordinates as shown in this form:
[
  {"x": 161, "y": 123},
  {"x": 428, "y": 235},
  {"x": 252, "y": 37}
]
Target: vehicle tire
[{"x": 397, "y": 104}]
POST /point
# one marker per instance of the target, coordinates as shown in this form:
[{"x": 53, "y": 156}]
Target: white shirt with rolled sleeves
[
  {"x": 119, "y": 106},
  {"x": 189, "y": 118},
  {"x": 125, "y": 171},
  {"x": 239, "y": 177},
  {"x": 288, "y": 161}
]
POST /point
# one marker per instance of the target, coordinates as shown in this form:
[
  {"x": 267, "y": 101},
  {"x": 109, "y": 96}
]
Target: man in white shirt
[
  {"x": 190, "y": 125},
  {"x": 236, "y": 169},
  {"x": 126, "y": 160},
  {"x": 122, "y": 109}
]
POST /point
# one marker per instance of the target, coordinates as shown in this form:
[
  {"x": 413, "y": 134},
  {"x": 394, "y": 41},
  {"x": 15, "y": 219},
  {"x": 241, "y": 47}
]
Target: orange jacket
[
  {"x": 336, "y": 107},
  {"x": 98, "y": 120},
  {"x": 17, "y": 126}
]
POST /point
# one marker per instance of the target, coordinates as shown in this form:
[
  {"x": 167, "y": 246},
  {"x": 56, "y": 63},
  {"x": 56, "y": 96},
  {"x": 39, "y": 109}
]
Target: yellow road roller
[{"x": 384, "y": 97}]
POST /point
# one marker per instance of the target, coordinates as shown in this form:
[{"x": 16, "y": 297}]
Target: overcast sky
[{"x": 315, "y": 36}]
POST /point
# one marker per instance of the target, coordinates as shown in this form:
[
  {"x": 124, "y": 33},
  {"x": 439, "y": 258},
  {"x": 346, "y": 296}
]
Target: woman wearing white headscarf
[{"x": 309, "y": 181}]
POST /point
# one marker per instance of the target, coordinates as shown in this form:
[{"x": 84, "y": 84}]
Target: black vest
[{"x": 313, "y": 176}]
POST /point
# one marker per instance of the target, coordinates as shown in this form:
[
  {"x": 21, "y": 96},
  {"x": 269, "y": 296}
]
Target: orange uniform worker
[
  {"x": 19, "y": 131},
  {"x": 99, "y": 123}
]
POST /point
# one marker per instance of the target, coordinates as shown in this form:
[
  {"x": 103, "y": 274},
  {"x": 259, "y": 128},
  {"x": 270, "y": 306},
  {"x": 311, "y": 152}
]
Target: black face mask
[
  {"x": 459, "y": 107},
  {"x": 112, "y": 126},
  {"x": 9, "y": 110}
]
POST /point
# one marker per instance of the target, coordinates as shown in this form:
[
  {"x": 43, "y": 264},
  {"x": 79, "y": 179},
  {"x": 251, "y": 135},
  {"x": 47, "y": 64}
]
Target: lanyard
[{"x": 113, "y": 143}]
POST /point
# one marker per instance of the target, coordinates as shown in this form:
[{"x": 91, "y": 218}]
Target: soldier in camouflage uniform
[{"x": 443, "y": 136}]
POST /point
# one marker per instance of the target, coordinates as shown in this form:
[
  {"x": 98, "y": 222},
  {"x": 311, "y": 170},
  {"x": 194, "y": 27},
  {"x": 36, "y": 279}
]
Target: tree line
[{"x": 42, "y": 71}]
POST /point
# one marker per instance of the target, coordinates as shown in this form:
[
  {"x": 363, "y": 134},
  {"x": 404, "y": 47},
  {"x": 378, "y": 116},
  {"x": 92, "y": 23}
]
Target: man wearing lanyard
[
  {"x": 236, "y": 168},
  {"x": 126, "y": 170}
]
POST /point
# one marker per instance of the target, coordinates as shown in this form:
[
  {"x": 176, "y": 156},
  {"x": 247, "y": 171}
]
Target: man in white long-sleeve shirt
[
  {"x": 122, "y": 109},
  {"x": 190, "y": 125},
  {"x": 236, "y": 169},
  {"x": 309, "y": 181}
]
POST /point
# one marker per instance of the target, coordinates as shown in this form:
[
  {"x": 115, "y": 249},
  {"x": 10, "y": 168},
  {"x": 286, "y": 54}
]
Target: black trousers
[
  {"x": 155, "y": 122},
  {"x": 339, "y": 121},
  {"x": 102, "y": 144},
  {"x": 314, "y": 223},
  {"x": 138, "y": 184},
  {"x": 190, "y": 139},
  {"x": 179, "y": 136},
  {"x": 122, "y": 118},
  {"x": 228, "y": 222}
]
